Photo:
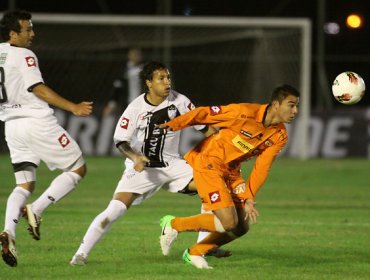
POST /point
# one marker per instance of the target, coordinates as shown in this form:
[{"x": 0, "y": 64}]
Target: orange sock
[
  {"x": 214, "y": 240},
  {"x": 201, "y": 249},
  {"x": 201, "y": 222}
]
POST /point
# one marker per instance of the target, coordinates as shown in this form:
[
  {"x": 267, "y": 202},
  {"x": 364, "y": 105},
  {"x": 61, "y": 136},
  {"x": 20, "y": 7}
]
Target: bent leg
[{"x": 62, "y": 185}]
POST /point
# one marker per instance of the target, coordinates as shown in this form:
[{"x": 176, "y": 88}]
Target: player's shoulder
[
  {"x": 177, "y": 96},
  {"x": 137, "y": 104},
  {"x": 23, "y": 51}
]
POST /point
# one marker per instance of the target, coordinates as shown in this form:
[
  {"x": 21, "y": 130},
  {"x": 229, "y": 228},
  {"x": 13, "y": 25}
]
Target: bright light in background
[
  {"x": 331, "y": 28},
  {"x": 354, "y": 21}
]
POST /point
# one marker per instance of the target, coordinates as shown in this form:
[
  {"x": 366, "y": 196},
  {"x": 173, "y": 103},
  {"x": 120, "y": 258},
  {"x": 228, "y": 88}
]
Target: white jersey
[
  {"x": 137, "y": 126},
  {"x": 19, "y": 72}
]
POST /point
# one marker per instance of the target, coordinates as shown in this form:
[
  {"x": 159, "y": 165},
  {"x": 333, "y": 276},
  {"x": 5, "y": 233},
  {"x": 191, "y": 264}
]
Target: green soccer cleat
[
  {"x": 168, "y": 235},
  {"x": 197, "y": 261}
]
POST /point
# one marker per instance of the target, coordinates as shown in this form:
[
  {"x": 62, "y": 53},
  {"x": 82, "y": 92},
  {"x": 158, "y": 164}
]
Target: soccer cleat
[
  {"x": 219, "y": 253},
  {"x": 8, "y": 251},
  {"x": 197, "y": 261},
  {"x": 168, "y": 235},
  {"x": 33, "y": 220},
  {"x": 78, "y": 259}
]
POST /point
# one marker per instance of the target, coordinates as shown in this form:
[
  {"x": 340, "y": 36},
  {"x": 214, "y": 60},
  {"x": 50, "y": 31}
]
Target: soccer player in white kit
[
  {"x": 152, "y": 155},
  {"x": 31, "y": 131}
]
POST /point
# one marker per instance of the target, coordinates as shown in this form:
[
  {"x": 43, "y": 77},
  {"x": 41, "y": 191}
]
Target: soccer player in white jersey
[
  {"x": 31, "y": 131},
  {"x": 152, "y": 155}
]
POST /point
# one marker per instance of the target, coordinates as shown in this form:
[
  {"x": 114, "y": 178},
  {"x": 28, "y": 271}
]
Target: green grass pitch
[{"x": 314, "y": 224}]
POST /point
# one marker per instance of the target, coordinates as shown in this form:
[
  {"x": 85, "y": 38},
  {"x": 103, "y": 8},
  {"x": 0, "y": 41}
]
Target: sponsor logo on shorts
[
  {"x": 31, "y": 61},
  {"x": 124, "y": 123},
  {"x": 64, "y": 140},
  {"x": 215, "y": 110},
  {"x": 242, "y": 145},
  {"x": 214, "y": 197}
]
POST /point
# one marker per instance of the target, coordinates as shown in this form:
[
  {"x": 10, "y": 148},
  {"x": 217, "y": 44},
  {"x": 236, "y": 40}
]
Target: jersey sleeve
[
  {"x": 125, "y": 127},
  {"x": 29, "y": 67},
  {"x": 186, "y": 107},
  {"x": 220, "y": 116},
  {"x": 263, "y": 165}
]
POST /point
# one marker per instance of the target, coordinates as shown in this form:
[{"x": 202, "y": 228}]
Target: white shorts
[
  {"x": 173, "y": 178},
  {"x": 32, "y": 140}
]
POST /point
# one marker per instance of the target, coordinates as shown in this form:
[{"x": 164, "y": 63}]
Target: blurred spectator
[{"x": 127, "y": 87}]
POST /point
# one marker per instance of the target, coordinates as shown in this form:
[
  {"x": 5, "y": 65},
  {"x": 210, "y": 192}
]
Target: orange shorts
[{"x": 220, "y": 191}]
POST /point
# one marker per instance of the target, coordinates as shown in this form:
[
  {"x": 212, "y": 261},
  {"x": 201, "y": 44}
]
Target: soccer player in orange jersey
[{"x": 246, "y": 130}]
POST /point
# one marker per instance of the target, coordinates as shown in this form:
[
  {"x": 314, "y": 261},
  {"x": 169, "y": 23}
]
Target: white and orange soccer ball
[{"x": 348, "y": 88}]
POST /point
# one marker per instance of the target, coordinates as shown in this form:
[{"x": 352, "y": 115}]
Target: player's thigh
[
  {"x": 18, "y": 139},
  {"x": 53, "y": 144},
  {"x": 212, "y": 190},
  {"x": 179, "y": 175},
  {"x": 146, "y": 182}
]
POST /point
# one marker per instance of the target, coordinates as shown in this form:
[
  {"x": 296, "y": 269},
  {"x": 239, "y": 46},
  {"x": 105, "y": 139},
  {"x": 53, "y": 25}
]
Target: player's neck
[{"x": 155, "y": 99}]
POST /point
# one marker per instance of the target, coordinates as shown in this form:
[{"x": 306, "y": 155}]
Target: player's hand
[
  {"x": 162, "y": 126},
  {"x": 83, "y": 109},
  {"x": 140, "y": 163},
  {"x": 251, "y": 212}
]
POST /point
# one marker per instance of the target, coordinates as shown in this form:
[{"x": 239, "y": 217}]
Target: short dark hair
[
  {"x": 10, "y": 22},
  {"x": 283, "y": 91},
  {"x": 147, "y": 72}
]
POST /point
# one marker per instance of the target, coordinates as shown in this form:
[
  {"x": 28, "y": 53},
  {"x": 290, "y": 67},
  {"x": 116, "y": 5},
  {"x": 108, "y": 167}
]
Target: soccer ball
[{"x": 348, "y": 88}]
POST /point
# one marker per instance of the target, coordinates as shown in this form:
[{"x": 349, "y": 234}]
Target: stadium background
[{"x": 336, "y": 130}]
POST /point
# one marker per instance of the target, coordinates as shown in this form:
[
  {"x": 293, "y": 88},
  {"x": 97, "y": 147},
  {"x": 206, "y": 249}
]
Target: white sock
[
  {"x": 203, "y": 234},
  {"x": 16, "y": 201},
  {"x": 60, "y": 187},
  {"x": 100, "y": 226}
]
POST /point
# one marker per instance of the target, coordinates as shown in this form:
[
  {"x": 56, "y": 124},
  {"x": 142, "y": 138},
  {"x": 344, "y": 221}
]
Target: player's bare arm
[
  {"x": 139, "y": 160},
  {"x": 45, "y": 93}
]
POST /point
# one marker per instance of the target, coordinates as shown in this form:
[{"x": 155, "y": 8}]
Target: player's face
[
  {"x": 288, "y": 109},
  {"x": 160, "y": 85},
  {"x": 25, "y": 36}
]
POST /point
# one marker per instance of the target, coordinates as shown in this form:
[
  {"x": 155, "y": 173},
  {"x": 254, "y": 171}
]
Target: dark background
[{"x": 348, "y": 50}]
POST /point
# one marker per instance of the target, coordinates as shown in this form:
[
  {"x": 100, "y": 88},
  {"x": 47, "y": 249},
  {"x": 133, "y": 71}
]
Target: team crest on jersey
[
  {"x": 172, "y": 112},
  {"x": 214, "y": 197},
  {"x": 124, "y": 123},
  {"x": 269, "y": 143},
  {"x": 31, "y": 61},
  {"x": 64, "y": 140},
  {"x": 215, "y": 110}
]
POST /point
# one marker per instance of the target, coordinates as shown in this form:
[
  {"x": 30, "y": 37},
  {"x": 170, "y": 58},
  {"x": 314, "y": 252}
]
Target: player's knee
[
  {"x": 241, "y": 230},
  {"x": 230, "y": 223},
  {"x": 78, "y": 167},
  {"x": 188, "y": 190},
  {"x": 25, "y": 175}
]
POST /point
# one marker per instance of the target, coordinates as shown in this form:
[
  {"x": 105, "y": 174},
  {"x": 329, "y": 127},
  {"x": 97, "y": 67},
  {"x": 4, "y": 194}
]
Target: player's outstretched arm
[{"x": 45, "y": 93}]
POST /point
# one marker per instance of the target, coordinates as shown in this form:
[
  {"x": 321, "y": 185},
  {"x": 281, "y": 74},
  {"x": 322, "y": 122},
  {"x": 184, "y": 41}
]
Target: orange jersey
[{"x": 242, "y": 135}]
